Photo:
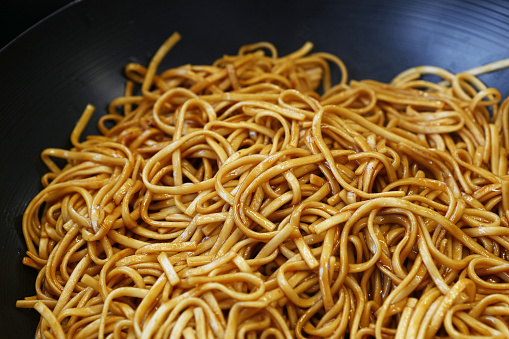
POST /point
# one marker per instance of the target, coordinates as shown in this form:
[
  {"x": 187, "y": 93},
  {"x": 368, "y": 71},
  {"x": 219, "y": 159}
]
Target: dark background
[{"x": 18, "y": 16}]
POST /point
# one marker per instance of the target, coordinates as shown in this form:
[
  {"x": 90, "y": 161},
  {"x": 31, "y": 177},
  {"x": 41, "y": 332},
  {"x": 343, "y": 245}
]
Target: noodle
[{"x": 254, "y": 198}]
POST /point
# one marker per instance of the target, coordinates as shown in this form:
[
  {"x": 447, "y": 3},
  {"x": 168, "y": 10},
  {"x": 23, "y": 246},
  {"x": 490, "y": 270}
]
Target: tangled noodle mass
[{"x": 253, "y": 199}]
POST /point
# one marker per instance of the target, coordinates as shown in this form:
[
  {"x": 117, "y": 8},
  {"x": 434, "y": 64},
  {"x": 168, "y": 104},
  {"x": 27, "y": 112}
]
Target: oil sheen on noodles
[{"x": 253, "y": 198}]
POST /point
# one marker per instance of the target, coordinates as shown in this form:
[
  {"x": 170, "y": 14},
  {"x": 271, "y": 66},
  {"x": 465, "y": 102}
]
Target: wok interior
[{"x": 77, "y": 56}]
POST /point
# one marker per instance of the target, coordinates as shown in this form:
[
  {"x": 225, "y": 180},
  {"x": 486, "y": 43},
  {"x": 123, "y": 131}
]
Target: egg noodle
[{"x": 252, "y": 198}]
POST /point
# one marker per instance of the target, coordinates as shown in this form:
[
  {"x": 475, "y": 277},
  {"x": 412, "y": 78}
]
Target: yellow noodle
[{"x": 253, "y": 198}]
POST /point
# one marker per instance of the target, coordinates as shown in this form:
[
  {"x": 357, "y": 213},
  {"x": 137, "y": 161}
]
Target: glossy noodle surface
[{"x": 253, "y": 198}]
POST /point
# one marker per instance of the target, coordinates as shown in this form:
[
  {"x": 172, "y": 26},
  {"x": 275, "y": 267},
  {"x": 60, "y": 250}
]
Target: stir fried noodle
[{"x": 252, "y": 198}]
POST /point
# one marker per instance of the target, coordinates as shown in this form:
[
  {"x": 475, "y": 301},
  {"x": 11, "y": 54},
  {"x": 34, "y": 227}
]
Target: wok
[{"x": 76, "y": 57}]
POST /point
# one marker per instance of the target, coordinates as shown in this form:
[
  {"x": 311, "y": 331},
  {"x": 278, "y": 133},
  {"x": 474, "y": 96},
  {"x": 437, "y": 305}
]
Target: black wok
[{"x": 76, "y": 57}]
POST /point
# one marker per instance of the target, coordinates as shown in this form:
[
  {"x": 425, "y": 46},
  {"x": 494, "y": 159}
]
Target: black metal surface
[
  {"x": 17, "y": 16},
  {"x": 76, "y": 57}
]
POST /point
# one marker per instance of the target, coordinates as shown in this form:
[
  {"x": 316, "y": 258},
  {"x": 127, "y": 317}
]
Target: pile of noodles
[{"x": 235, "y": 201}]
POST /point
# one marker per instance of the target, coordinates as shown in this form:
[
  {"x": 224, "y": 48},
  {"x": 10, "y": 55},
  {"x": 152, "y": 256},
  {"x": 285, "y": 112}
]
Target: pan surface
[{"x": 76, "y": 57}]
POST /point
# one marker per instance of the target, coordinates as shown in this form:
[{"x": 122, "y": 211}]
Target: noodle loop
[{"x": 254, "y": 198}]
